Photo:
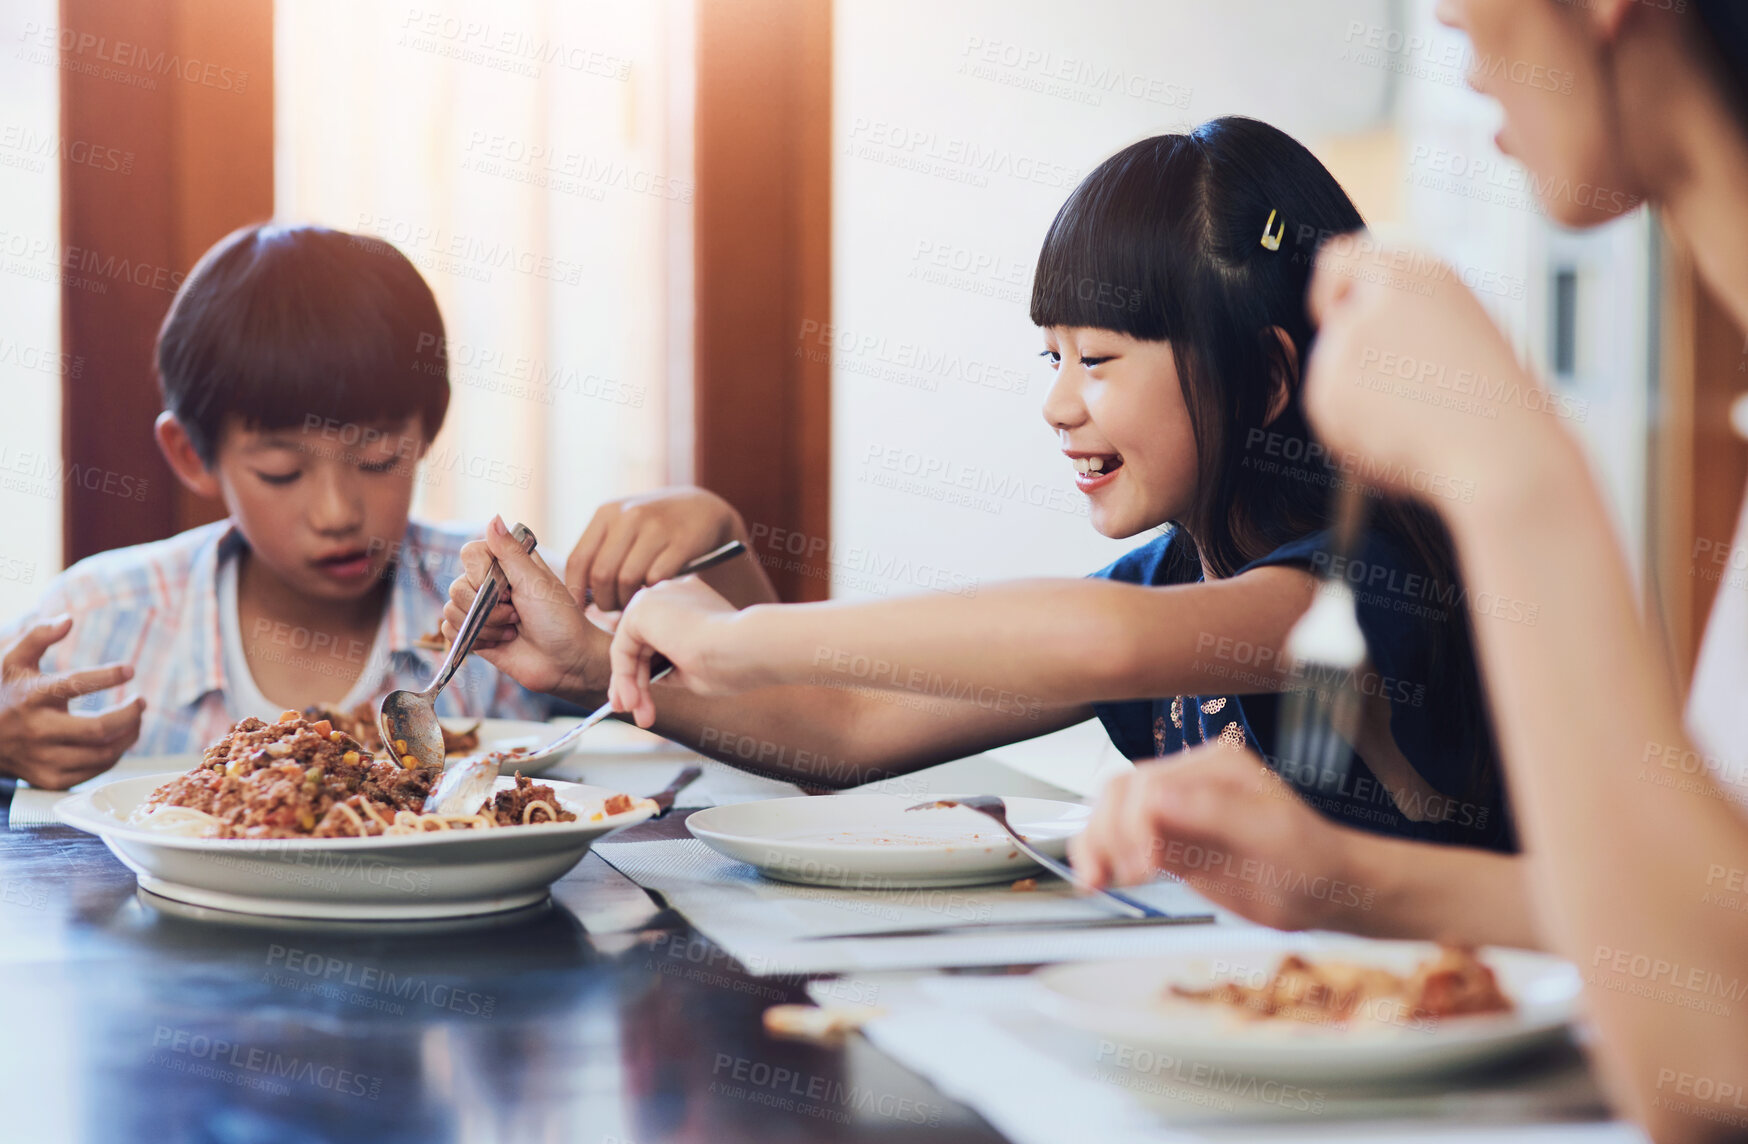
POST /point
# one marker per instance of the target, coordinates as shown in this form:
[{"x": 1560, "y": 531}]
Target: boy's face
[{"x": 324, "y": 507}]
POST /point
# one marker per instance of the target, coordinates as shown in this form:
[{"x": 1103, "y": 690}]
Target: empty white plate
[
  {"x": 872, "y": 842},
  {"x": 1143, "y": 1029},
  {"x": 450, "y": 873}
]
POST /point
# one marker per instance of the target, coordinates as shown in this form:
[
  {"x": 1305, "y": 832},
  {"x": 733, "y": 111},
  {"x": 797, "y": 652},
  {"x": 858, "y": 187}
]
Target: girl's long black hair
[{"x": 1162, "y": 241}]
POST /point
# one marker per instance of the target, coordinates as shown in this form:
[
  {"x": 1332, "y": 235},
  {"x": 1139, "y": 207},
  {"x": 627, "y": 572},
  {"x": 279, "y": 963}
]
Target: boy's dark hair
[
  {"x": 278, "y": 325},
  {"x": 1163, "y": 242}
]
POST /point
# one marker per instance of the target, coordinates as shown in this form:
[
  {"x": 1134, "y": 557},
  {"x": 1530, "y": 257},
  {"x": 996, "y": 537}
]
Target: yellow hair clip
[{"x": 1273, "y": 241}]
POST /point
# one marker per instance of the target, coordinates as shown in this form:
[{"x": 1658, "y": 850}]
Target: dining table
[{"x": 602, "y": 1015}]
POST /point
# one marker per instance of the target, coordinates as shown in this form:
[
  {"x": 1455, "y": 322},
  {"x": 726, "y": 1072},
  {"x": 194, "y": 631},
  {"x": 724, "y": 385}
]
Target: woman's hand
[
  {"x": 645, "y": 539},
  {"x": 536, "y": 633},
  {"x": 1231, "y": 829},
  {"x": 695, "y": 628},
  {"x": 1411, "y": 384}
]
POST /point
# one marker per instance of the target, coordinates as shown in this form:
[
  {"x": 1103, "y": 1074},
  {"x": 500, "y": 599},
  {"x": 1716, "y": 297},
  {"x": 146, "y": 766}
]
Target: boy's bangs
[
  {"x": 331, "y": 354},
  {"x": 295, "y": 327}
]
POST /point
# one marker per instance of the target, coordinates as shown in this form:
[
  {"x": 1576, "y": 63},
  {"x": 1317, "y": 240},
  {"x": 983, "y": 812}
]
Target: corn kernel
[
  {"x": 350, "y": 758},
  {"x": 400, "y": 746},
  {"x": 307, "y": 819},
  {"x": 409, "y": 761}
]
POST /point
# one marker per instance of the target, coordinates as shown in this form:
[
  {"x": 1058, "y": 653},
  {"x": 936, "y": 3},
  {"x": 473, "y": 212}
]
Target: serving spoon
[
  {"x": 466, "y": 784},
  {"x": 408, "y": 719}
]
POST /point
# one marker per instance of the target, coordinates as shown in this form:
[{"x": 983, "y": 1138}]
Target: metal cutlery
[
  {"x": 995, "y": 808},
  {"x": 408, "y": 719},
  {"x": 472, "y": 779},
  {"x": 1320, "y": 716}
]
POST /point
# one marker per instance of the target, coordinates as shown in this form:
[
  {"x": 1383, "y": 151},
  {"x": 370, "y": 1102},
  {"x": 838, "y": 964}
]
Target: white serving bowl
[{"x": 433, "y": 875}]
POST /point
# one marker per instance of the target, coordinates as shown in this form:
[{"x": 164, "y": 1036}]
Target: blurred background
[{"x": 781, "y": 248}]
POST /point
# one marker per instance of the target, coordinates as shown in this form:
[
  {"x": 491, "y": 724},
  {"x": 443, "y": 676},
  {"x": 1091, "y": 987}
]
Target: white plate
[
  {"x": 435, "y": 875},
  {"x": 870, "y": 841},
  {"x": 1126, "y": 1004}
]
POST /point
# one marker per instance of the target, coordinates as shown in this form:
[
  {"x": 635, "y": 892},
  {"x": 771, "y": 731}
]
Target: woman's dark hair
[
  {"x": 1163, "y": 242},
  {"x": 279, "y": 325},
  {"x": 1727, "y": 23}
]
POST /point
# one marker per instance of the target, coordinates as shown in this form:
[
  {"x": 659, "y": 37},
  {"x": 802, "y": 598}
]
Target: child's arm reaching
[
  {"x": 1056, "y": 642},
  {"x": 1240, "y": 836},
  {"x": 831, "y": 736},
  {"x": 640, "y": 540}
]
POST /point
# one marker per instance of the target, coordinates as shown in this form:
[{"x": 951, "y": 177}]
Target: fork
[
  {"x": 997, "y": 809},
  {"x": 1325, "y": 648}
]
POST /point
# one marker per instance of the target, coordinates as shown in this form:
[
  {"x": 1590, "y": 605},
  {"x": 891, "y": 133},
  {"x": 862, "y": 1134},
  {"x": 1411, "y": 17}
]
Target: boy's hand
[
  {"x": 41, "y": 741},
  {"x": 1229, "y": 827},
  {"x": 536, "y": 634},
  {"x": 644, "y": 539},
  {"x": 687, "y": 621}
]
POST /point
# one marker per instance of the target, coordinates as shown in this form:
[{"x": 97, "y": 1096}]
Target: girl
[{"x": 1170, "y": 292}]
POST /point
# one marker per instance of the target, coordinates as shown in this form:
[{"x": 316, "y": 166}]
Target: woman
[{"x": 1628, "y": 847}]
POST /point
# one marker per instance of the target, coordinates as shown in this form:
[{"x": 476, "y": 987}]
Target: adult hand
[
  {"x": 1411, "y": 384},
  {"x": 1231, "y": 829},
  {"x": 536, "y": 633},
  {"x": 41, "y": 741}
]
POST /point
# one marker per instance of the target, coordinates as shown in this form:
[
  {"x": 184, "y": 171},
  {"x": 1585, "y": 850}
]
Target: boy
[{"x": 295, "y": 390}]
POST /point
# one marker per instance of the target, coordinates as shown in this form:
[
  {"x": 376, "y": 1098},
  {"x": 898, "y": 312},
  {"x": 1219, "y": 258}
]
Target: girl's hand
[
  {"x": 645, "y": 539},
  {"x": 1411, "y": 384},
  {"x": 536, "y": 633},
  {"x": 690, "y": 624},
  {"x": 1231, "y": 829}
]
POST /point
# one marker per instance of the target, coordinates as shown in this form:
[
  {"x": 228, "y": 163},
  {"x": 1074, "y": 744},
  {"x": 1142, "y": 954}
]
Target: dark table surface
[{"x": 599, "y": 1018}]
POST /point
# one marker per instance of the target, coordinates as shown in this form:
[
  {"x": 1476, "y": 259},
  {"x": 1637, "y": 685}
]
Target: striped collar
[{"x": 419, "y": 583}]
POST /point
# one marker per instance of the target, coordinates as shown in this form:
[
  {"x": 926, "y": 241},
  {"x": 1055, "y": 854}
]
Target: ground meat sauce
[
  {"x": 509, "y": 806},
  {"x": 302, "y": 778},
  {"x": 360, "y": 723}
]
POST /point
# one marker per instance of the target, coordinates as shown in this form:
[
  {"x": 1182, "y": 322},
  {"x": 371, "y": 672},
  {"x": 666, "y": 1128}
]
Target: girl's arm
[
  {"x": 1050, "y": 642},
  {"x": 1410, "y": 373},
  {"x": 1241, "y": 837},
  {"x": 833, "y": 736}
]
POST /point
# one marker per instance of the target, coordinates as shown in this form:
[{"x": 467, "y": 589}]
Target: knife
[
  {"x": 1021, "y": 927},
  {"x": 664, "y": 799}
]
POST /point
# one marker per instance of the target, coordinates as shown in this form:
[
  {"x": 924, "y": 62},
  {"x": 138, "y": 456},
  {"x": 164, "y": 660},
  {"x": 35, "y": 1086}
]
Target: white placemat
[
  {"x": 979, "y": 1040},
  {"x": 767, "y": 925}
]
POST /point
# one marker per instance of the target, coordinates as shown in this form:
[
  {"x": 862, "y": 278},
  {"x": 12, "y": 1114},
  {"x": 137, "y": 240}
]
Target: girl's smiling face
[{"x": 1118, "y": 410}]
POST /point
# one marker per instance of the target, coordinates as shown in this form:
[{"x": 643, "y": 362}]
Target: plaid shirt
[{"x": 156, "y": 606}]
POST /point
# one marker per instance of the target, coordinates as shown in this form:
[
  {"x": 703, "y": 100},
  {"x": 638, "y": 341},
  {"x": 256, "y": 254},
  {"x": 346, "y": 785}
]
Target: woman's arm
[
  {"x": 1410, "y": 374},
  {"x": 1241, "y": 837},
  {"x": 1049, "y": 642}
]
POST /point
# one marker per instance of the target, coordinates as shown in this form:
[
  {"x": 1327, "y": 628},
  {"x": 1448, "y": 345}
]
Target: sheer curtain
[{"x": 532, "y": 157}]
